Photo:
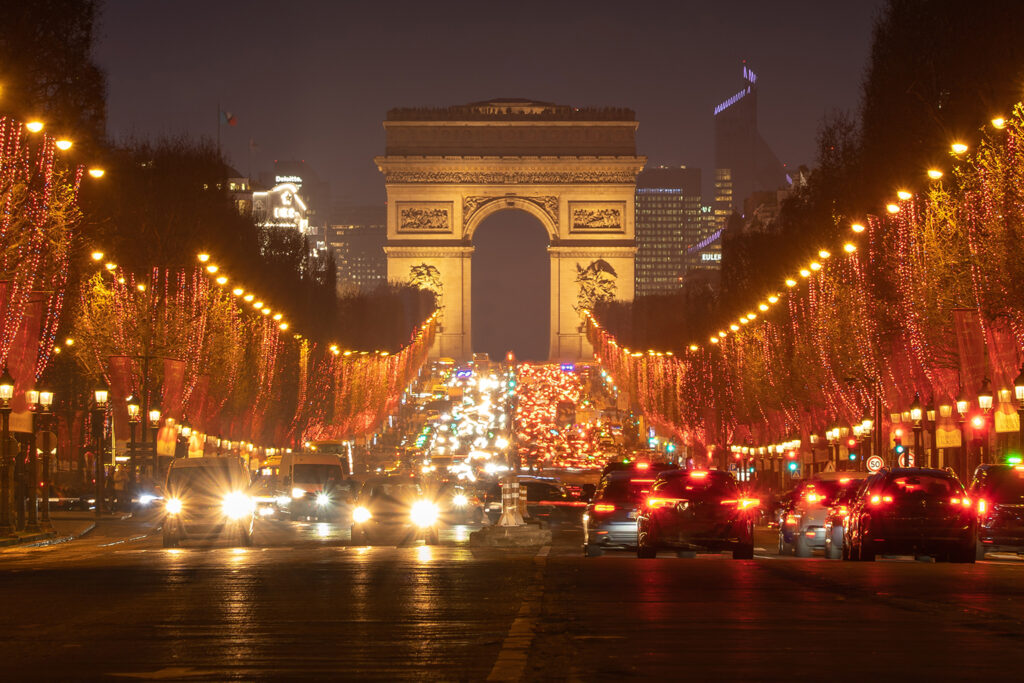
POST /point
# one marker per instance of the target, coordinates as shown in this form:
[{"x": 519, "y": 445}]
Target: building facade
[
  {"x": 668, "y": 222},
  {"x": 744, "y": 163}
]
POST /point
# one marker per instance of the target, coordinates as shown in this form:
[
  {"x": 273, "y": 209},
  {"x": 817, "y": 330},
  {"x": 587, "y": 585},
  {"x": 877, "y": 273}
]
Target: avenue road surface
[{"x": 115, "y": 605}]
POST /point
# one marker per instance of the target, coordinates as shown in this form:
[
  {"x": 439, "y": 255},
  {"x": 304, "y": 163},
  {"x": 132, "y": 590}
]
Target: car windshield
[
  {"x": 922, "y": 485},
  {"x": 625, "y": 489},
  {"x": 213, "y": 478},
  {"x": 1005, "y": 486},
  {"x": 317, "y": 474},
  {"x": 394, "y": 491}
]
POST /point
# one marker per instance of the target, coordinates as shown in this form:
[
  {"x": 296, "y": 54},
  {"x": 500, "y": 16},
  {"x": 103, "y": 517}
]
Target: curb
[{"x": 43, "y": 539}]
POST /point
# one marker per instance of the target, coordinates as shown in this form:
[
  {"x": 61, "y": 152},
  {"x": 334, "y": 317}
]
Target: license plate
[{"x": 632, "y": 514}]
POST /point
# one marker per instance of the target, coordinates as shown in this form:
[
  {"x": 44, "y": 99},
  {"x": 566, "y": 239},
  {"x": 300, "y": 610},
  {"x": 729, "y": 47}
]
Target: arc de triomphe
[{"x": 448, "y": 169}]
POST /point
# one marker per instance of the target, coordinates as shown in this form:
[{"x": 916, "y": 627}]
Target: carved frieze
[
  {"x": 596, "y": 217},
  {"x": 423, "y": 217}
]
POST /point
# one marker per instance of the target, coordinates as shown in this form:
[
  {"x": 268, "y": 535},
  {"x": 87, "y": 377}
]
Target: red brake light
[
  {"x": 749, "y": 503},
  {"x": 604, "y": 507},
  {"x": 661, "y": 502},
  {"x": 966, "y": 502},
  {"x": 982, "y": 506},
  {"x": 844, "y": 480},
  {"x": 643, "y": 465},
  {"x": 878, "y": 500},
  {"x": 698, "y": 474}
]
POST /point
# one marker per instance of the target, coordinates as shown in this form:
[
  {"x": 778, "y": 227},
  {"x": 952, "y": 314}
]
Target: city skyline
[{"x": 672, "y": 66}]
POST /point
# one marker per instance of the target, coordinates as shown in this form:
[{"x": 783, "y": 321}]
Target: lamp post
[
  {"x": 6, "y": 394},
  {"x": 154, "y": 415},
  {"x": 985, "y": 403},
  {"x": 867, "y": 425},
  {"x": 963, "y": 404},
  {"x": 134, "y": 418},
  {"x": 46, "y": 414},
  {"x": 32, "y": 477},
  {"x": 1018, "y": 391},
  {"x": 101, "y": 399},
  {"x": 916, "y": 413},
  {"x": 929, "y": 414}
]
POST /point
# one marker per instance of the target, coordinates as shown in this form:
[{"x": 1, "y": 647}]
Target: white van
[{"x": 314, "y": 486}]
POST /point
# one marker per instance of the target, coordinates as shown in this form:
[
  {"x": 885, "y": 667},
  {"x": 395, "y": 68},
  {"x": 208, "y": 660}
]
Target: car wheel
[
  {"x": 592, "y": 550},
  {"x": 979, "y": 551},
  {"x": 743, "y": 551},
  {"x": 834, "y": 544},
  {"x": 800, "y": 547},
  {"x": 170, "y": 539}
]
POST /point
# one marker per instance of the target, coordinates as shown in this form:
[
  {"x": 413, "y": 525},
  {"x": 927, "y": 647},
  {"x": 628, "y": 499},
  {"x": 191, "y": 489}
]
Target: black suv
[{"x": 998, "y": 494}]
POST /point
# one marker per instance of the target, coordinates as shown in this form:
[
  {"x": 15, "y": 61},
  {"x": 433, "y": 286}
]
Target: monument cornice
[{"x": 510, "y": 170}]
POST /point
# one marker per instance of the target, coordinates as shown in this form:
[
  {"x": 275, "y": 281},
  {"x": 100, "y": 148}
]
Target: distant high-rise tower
[
  {"x": 668, "y": 206},
  {"x": 744, "y": 163}
]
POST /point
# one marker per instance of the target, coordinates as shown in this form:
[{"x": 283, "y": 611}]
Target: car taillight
[
  {"x": 698, "y": 474},
  {"x": 604, "y": 507},
  {"x": 966, "y": 502},
  {"x": 661, "y": 502},
  {"x": 812, "y": 498},
  {"x": 742, "y": 503},
  {"x": 878, "y": 500},
  {"x": 982, "y": 506}
]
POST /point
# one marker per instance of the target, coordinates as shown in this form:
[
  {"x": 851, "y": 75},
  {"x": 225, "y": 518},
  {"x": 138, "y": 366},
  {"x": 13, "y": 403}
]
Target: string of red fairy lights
[{"x": 847, "y": 294}]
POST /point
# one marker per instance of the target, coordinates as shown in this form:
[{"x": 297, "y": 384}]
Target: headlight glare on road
[
  {"x": 298, "y": 493},
  {"x": 237, "y": 505},
  {"x": 360, "y": 515},
  {"x": 173, "y": 506},
  {"x": 424, "y": 513},
  {"x": 322, "y": 499},
  {"x": 460, "y": 501}
]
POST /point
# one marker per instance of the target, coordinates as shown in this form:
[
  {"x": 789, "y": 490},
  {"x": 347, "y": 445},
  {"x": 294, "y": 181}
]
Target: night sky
[{"x": 313, "y": 81}]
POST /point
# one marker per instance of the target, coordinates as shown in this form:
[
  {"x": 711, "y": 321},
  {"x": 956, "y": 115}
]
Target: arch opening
[{"x": 511, "y": 286}]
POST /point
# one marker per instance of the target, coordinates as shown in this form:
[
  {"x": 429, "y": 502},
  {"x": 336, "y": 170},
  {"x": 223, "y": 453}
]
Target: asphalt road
[{"x": 305, "y": 603}]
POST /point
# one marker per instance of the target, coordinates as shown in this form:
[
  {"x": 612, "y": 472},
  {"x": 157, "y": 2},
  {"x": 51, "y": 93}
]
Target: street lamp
[
  {"x": 154, "y": 416},
  {"x": 6, "y": 394},
  {"x": 1018, "y": 390},
  {"x": 134, "y": 418},
  {"x": 915, "y": 416},
  {"x": 101, "y": 399},
  {"x": 32, "y": 476},
  {"x": 929, "y": 414},
  {"x": 985, "y": 396},
  {"x": 45, "y": 412}
]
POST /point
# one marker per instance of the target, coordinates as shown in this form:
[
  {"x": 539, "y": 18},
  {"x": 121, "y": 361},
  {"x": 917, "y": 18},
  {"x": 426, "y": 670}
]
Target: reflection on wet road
[{"x": 306, "y": 603}]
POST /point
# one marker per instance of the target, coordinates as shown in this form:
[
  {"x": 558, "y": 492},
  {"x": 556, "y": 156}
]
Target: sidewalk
[{"x": 70, "y": 525}]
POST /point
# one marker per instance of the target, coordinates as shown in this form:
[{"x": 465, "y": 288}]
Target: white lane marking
[{"x": 515, "y": 649}]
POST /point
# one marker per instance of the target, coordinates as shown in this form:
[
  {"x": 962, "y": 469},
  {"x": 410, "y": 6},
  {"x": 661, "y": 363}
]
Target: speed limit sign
[{"x": 874, "y": 463}]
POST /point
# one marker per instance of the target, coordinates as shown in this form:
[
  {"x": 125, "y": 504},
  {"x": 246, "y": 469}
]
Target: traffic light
[
  {"x": 793, "y": 466},
  {"x": 897, "y": 438},
  {"x": 851, "y": 445}
]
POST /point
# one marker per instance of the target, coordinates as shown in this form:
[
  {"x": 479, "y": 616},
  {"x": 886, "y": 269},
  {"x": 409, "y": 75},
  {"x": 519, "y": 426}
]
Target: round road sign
[{"x": 875, "y": 463}]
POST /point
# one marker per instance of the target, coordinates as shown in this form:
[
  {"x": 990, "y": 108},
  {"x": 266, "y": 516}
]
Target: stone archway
[{"x": 446, "y": 170}]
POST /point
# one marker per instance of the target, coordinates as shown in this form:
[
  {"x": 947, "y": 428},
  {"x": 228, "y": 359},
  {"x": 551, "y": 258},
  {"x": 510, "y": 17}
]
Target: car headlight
[
  {"x": 172, "y": 506},
  {"x": 237, "y": 505},
  {"x": 322, "y": 499},
  {"x": 460, "y": 501},
  {"x": 283, "y": 500},
  {"x": 360, "y": 515},
  {"x": 424, "y": 513},
  {"x": 146, "y": 499},
  {"x": 298, "y": 493}
]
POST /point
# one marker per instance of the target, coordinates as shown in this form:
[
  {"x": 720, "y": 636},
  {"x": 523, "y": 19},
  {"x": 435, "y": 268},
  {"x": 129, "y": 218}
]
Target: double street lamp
[{"x": 40, "y": 401}]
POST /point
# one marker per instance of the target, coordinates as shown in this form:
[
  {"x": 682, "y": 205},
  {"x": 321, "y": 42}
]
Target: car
[
  {"x": 998, "y": 493},
  {"x": 696, "y": 511},
  {"x": 314, "y": 487},
  {"x": 394, "y": 510},
  {"x": 912, "y": 510},
  {"x": 457, "y": 504},
  {"x": 207, "y": 497},
  {"x": 838, "y": 513},
  {"x": 546, "y": 499},
  {"x": 802, "y": 527},
  {"x": 609, "y": 520}
]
